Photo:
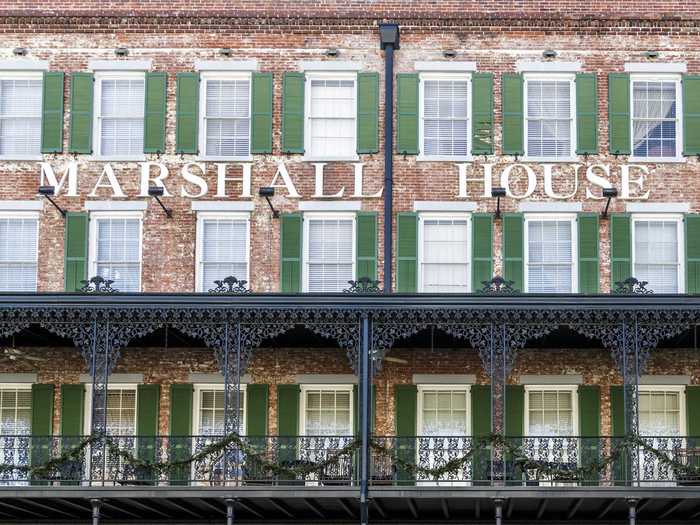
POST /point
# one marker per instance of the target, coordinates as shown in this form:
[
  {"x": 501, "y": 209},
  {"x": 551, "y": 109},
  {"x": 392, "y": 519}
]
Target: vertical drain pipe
[{"x": 389, "y": 41}]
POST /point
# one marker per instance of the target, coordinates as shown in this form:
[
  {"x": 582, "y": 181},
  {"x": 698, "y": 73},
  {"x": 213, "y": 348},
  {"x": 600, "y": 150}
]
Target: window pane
[
  {"x": 549, "y": 118},
  {"x": 118, "y": 252},
  {"x": 224, "y": 250},
  {"x": 444, "y": 413},
  {"x": 228, "y": 118},
  {"x": 15, "y": 411},
  {"x": 445, "y": 123},
  {"x": 121, "y": 412},
  {"x": 445, "y": 263},
  {"x": 18, "y": 254},
  {"x": 659, "y": 413},
  {"x": 550, "y": 256},
  {"x": 656, "y": 254},
  {"x": 654, "y": 119},
  {"x": 332, "y": 118},
  {"x": 121, "y": 118},
  {"x": 550, "y": 413},
  {"x": 20, "y": 117},
  {"x": 327, "y": 413},
  {"x": 330, "y": 257}
]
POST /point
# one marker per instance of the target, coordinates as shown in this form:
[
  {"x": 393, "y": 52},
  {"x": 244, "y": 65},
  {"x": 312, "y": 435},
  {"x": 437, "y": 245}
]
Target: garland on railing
[{"x": 255, "y": 458}]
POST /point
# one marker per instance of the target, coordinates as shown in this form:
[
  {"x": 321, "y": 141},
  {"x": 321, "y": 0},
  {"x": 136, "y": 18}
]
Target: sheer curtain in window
[
  {"x": 659, "y": 413},
  {"x": 121, "y": 116},
  {"x": 656, "y": 254},
  {"x": 118, "y": 252},
  {"x": 549, "y": 118},
  {"x": 332, "y": 118},
  {"x": 654, "y": 119},
  {"x": 444, "y": 413},
  {"x": 227, "y": 118},
  {"x": 330, "y": 260},
  {"x": 327, "y": 413},
  {"x": 18, "y": 254},
  {"x": 224, "y": 251},
  {"x": 121, "y": 412},
  {"x": 20, "y": 117},
  {"x": 550, "y": 413},
  {"x": 445, "y": 263},
  {"x": 15, "y": 411},
  {"x": 550, "y": 256},
  {"x": 445, "y": 122},
  {"x": 211, "y": 412}
]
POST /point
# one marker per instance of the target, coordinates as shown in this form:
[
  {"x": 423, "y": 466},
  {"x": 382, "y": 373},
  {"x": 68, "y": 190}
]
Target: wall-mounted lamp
[
  {"x": 332, "y": 52},
  {"x": 498, "y": 193},
  {"x": 549, "y": 53},
  {"x": 267, "y": 192},
  {"x": 48, "y": 192},
  {"x": 121, "y": 51},
  {"x": 608, "y": 193},
  {"x": 651, "y": 54},
  {"x": 225, "y": 52},
  {"x": 20, "y": 51},
  {"x": 157, "y": 192},
  {"x": 449, "y": 53}
]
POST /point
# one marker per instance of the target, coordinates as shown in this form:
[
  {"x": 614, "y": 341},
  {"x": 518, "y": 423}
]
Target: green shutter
[
  {"x": 482, "y": 250},
  {"x": 691, "y": 115},
  {"x": 290, "y": 252},
  {"x": 181, "y": 395},
  {"x": 257, "y": 408},
  {"x": 147, "y": 410},
  {"x": 513, "y": 119},
  {"x": 588, "y": 253},
  {"x": 621, "y": 468},
  {"x": 154, "y": 112},
  {"x": 406, "y": 252},
  {"x": 52, "y": 113},
  {"x": 481, "y": 428},
  {"x": 42, "y": 425},
  {"x": 81, "y": 86},
  {"x": 75, "y": 250},
  {"x": 692, "y": 254},
  {"x": 513, "y": 249},
  {"x": 72, "y": 411},
  {"x": 692, "y": 409},
  {"x": 288, "y": 421},
  {"x": 586, "y": 114},
  {"x": 619, "y": 139},
  {"x": 293, "y": 113},
  {"x": 407, "y": 113},
  {"x": 620, "y": 248},
  {"x": 589, "y": 425},
  {"x": 406, "y": 410},
  {"x": 366, "y": 245},
  {"x": 482, "y": 113},
  {"x": 515, "y": 425},
  {"x": 367, "y": 112},
  {"x": 186, "y": 113},
  {"x": 261, "y": 113}
]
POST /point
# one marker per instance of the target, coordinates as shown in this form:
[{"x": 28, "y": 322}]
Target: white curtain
[
  {"x": 654, "y": 119},
  {"x": 550, "y": 413},
  {"x": 15, "y": 411},
  {"x": 444, "y": 413},
  {"x": 332, "y": 115},
  {"x": 656, "y": 254},
  {"x": 445, "y": 123},
  {"x": 327, "y": 413},
  {"x": 228, "y": 118},
  {"x": 445, "y": 262}
]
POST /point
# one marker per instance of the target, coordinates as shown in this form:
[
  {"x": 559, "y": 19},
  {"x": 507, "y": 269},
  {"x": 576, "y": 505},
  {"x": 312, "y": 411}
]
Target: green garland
[{"x": 256, "y": 458}]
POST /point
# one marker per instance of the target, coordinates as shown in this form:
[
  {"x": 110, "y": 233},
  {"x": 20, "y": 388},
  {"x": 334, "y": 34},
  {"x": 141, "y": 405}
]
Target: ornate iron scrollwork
[
  {"x": 498, "y": 286},
  {"x": 363, "y": 285},
  {"x": 230, "y": 285},
  {"x": 632, "y": 286},
  {"x": 97, "y": 284}
]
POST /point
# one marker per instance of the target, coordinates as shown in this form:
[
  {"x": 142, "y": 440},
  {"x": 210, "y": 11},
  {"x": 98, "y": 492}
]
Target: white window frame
[
  {"x": 467, "y": 388},
  {"x": 19, "y": 386},
  {"x": 196, "y": 404},
  {"x": 559, "y": 388},
  {"x": 659, "y": 77},
  {"x": 92, "y": 244},
  {"x": 206, "y": 76},
  {"x": 571, "y": 77},
  {"x": 335, "y": 387},
  {"x": 232, "y": 216},
  {"x": 308, "y": 216},
  {"x": 679, "y": 219},
  {"x": 680, "y": 389},
  {"x": 336, "y": 75},
  {"x": 536, "y": 217},
  {"x": 25, "y": 75},
  {"x": 87, "y": 418},
  {"x": 97, "y": 113},
  {"x": 27, "y": 215},
  {"x": 463, "y": 76},
  {"x": 444, "y": 216}
]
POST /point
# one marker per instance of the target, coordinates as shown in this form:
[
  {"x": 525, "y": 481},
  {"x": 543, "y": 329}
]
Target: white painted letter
[
  {"x": 112, "y": 182},
  {"x": 549, "y": 186},
  {"x": 194, "y": 179},
  {"x": 359, "y": 166},
  {"x": 318, "y": 187},
  {"x": 286, "y": 181},
  {"x": 245, "y": 179},
  {"x": 48, "y": 178},
  {"x": 531, "y": 180},
  {"x": 597, "y": 180},
  {"x": 639, "y": 182},
  {"x": 158, "y": 181},
  {"x": 462, "y": 173}
]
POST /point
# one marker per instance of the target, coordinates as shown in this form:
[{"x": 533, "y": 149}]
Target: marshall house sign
[{"x": 472, "y": 180}]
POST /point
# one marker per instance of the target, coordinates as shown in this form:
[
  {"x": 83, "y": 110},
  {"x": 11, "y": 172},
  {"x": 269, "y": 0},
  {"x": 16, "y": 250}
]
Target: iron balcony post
[{"x": 365, "y": 419}]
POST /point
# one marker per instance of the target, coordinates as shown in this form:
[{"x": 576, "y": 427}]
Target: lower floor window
[
  {"x": 15, "y": 411},
  {"x": 210, "y": 410},
  {"x": 550, "y": 412},
  {"x": 657, "y": 253},
  {"x": 660, "y": 413},
  {"x": 121, "y": 412},
  {"x": 115, "y": 247},
  {"x": 330, "y": 252},
  {"x": 18, "y": 253},
  {"x": 443, "y": 411},
  {"x": 444, "y": 257},
  {"x": 550, "y": 255},
  {"x": 327, "y": 411}
]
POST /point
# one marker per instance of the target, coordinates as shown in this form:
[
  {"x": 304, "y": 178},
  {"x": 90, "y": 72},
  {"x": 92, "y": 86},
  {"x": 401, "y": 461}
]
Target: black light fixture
[
  {"x": 121, "y": 51},
  {"x": 20, "y": 51},
  {"x": 651, "y": 54},
  {"x": 267, "y": 192},
  {"x": 332, "y": 52},
  {"x": 498, "y": 193},
  {"x": 48, "y": 192},
  {"x": 157, "y": 192},
  {"x": 549, "y": 53},
  {"x": 449, "y": 53},
  {"x": 608, "y": 193},
  {"x": 225, "y": 51}
]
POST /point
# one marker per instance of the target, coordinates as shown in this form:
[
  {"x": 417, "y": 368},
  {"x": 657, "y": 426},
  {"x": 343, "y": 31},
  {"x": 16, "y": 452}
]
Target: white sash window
[
  {"x": 119, "y": 113},
  {"x": 329, "y": 252},
  {"x": 115, "y": 249},
  {"x": 656, "y": 114},
  {"x": 225, "y": 121},
  {"x": 331, "y": 116},
  {"x": 209, "y": 410},
  {"x": 658, "y": 252},
  {"x": 660, "y": 412},
  {"x": 550, "y": 254},
  {"x": 20, "y": 115},
  {"x": 444, "y": 254},
  {"x": 443, "y": 410},
  {"x": 327, "y": 410},
  {"x": 550, "y": 116},
  {"x": 445, "y": 116},
  {"x": 18, "y": 252},
  {"x": 550, "y": 411},
  {"x": 222, "y": 248},
  {"x": 15, "y": 410}
]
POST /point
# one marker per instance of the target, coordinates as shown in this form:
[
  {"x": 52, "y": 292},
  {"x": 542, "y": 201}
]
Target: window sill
[
  {"x": 658, "y": 160},
  {"x": 22, "y": 157},
  {"x": 356, "y": 158},
  {"x": 443, "y": 158},
  {"x": 209, "y": 158},
  {"x": 100, "y": 158},
  {"x": 548, "y": 160}
]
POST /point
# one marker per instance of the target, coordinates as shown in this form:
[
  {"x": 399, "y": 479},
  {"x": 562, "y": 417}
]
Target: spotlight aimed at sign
[
  {"x": 608, "y": 193},
  {"x": 47, "y": 192},
  {"x": 20, "y": 51},
  {"x": 449, "y": 53},
  {"x": 652, "y": 54},
  {"x": 498, "y": 193},
  {"x": 332, "y": 52},
  {"x": 157, "y": 192},
  {"x": 549, "y": 53},
  {"x": 121, "y": 51},
  {"x": 268, "y": 192},
  {"x": 225, "y": 52}
]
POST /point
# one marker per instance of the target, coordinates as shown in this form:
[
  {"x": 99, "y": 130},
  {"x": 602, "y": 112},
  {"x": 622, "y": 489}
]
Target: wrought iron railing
[{"x": 334, "y": 460}]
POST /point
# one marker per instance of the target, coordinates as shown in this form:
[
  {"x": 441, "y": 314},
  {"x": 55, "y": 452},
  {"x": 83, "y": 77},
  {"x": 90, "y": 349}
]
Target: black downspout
[{"x": 389, "y": 41}]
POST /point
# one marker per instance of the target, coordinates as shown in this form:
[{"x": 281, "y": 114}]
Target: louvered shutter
[
  {"x": 187, "y": 113},
  {"x": 621, "y": 468},
  {"x": 407, "y": 113},
  {"x": 366, "y": 250},
  {"x": 691, "y": 115},
  {"x": 81, "y": 96},
  {"x": 619, "y": 139},
  {"x": 291, "y": 247},
  {"x": 147, "y": 410},
  {"x": 288, "y": 397},
  {"x": 620, "y": 248},
  {"x": 42, "y": 425},
  {"x": 512, "y": 107},
  {"x": 589, "y": 426},
  {"x": 180, "y": 430},
  {"x": 257, "y": 408},
  {"x": 261, "y": 115},
  {"x": 407, "y": 252},
  {"x": 293, "y": 113},
  {"x": 588, "y": 253},
  {"x": 405, "y": 415},
  {"x": 367, "y": 113},
  {"x": 482, "y": 250},
  {"x": 52, "y": 113},
  {"x": 72, "y": 410},
  {"x": 513, "y": 248},
  {"x": 75, "y": 250},
  {"x": 692, "y": 404},
  {"x": 515, "y": 425},
  {"x": 155, "y": 112},
  {"x": 692, "y": 253},
  {"x": 586, "y": 114},
  {"x": 481, "y": 429},
  {"x": 482, "y": 113}
]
